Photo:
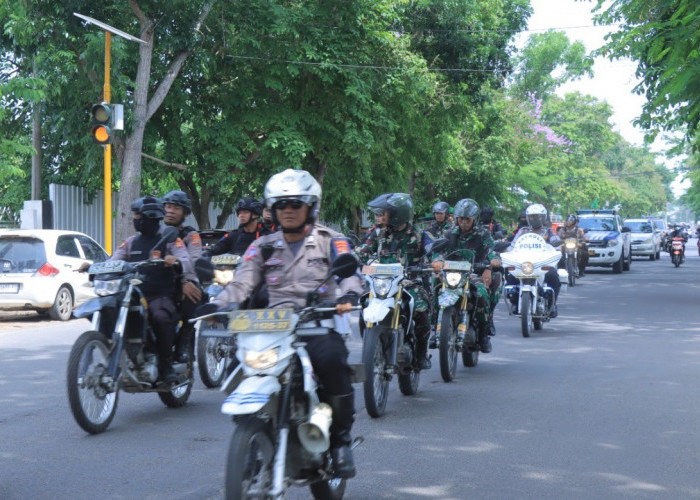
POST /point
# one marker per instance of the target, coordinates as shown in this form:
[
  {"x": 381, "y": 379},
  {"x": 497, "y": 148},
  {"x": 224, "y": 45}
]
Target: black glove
[
  {"x": 350, "y": 297},
  {"x": 205, "y": 309}
]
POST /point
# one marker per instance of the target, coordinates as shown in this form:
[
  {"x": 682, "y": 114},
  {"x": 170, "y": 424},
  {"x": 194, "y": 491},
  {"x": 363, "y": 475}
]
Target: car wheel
[
  {"x": 626, "y": 264},
  {"x": 63, "y": 305}
]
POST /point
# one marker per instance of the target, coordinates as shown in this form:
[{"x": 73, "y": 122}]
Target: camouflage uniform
[{"x": 476, "y": 244}]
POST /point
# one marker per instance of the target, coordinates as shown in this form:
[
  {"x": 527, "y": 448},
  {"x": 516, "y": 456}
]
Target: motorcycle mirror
[
  {"x": 204, "y": 270},
  {"x": 170, "y": 234},
  {"x": 438, "y": 245},
  {"x": 344, "y": 265}
]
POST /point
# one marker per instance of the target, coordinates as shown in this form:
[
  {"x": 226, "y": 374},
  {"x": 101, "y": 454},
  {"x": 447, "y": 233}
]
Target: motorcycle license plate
[
  {"x": 591, "y": 252},
  {"x": 260, "y": 320}
]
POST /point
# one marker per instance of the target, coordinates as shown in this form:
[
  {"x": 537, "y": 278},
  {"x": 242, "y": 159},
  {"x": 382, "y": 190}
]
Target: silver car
[{"x": 646, "y": 239}]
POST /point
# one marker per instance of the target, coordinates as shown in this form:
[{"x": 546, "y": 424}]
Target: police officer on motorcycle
[
  {"x": 467, "y": 239},
  {"x": 293, "y": 262},
  {"x": 160, "y": 283},
  {"x": 399, "y": 242},
  {"x": 536, "y": 216},
  {"x": 177, "y": 207},
  {"x": 249, "y": 210}
]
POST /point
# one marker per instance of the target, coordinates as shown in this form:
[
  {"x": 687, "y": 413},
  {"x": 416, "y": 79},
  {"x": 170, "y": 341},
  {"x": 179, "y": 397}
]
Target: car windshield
[
  {"x": 639, "y": 226},
  {"x": 21, "y": 255},
  {"x": 597, "y": 223}
]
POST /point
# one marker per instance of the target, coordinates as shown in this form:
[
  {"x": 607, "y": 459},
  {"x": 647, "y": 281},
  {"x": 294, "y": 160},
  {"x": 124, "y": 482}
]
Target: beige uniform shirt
[{"x": 290, "y": 277}]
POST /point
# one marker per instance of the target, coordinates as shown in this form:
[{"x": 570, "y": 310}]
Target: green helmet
[
  {"x": 399, "y": 206},
  {"x": 467, "y": 208}
]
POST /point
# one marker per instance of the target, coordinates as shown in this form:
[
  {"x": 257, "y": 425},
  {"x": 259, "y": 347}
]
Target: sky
[{"x": 613, "y": 81}]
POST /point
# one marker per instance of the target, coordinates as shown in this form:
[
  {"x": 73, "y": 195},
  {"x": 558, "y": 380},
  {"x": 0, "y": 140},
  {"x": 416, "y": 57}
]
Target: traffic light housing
[{"x": 102, "y": 123}]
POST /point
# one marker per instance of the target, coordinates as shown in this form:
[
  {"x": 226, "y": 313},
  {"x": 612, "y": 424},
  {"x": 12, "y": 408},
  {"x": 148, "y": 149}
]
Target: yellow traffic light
[{"x": 101, "y": 123}]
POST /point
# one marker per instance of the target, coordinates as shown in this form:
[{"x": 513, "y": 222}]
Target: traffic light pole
[{"x": 108, "y": 151}]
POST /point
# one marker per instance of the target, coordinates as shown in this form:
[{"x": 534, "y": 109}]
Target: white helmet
[
  {"x": 536, "y": 215},
  {"x": 294, "y": 185}
]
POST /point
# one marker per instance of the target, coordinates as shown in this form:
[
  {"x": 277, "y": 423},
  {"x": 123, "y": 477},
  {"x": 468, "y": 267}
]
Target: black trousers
[
  {"x": 329, "y": 358},
  {"x": 163, "y": 316}
]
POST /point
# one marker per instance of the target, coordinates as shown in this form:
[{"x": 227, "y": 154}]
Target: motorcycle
[
  {"x": 389, "y": 342},
  {"x": 117, "y": 352},
  {"x": 529, "y": 261},
  {"x": 677, "y": 250},
  {"x": 456, "y": 324},
  {"x": 570, "y": 250},
  {"x": 216, "y": 348},
  {"x": 281, "y": 435}
]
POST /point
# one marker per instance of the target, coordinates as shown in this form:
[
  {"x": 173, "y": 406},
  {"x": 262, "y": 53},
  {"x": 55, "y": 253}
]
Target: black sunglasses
[{"x": 294, "y": 204}]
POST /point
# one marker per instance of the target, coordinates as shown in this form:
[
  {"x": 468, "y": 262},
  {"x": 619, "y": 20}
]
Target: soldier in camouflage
[
  {"x": 399, "y": 242},
  {"x": 470, "y": 241}
]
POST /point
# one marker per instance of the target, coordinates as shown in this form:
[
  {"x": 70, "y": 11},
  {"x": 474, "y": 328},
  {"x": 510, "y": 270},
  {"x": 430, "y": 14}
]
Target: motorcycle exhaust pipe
[{"x": 315, "y": 434}]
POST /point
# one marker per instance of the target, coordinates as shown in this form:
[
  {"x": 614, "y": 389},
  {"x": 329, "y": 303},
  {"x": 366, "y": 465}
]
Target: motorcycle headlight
[
  {"x": 528, "y": 268},
  {"x": 382, "y": 286},
  {"x": 571, "y": 245},
  {"x": 453, "y": 279},
  {"x": 104, "y": 288},
  {"x": 612, "y": 243},
  {"x": 262, "y": 360}
]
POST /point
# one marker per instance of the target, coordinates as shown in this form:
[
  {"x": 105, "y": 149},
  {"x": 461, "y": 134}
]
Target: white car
[
  {"x": 609, "y": 242},
  {"x": 646, "y": 240},
  {"x": 38, "y": 270}
]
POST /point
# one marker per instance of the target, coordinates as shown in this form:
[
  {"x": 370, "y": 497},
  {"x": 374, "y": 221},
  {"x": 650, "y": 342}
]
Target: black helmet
[
  {"x": 466, "y": 208},
  {"x": 178, "y": 198},
  {"x": 148, "y": 207},
  {"x": 572, "y": 218},
  {"x": 251, "y": 204},
  {"x": 486, "y": 213},
  {"x": 378, "y": 205},
  {"x": 441, "y": 207}
]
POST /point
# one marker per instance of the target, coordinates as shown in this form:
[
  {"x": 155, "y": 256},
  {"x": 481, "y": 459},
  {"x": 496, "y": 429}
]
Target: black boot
[
  {"x": 166, "y": 372},
  {"x": 484, "y": 339},
  {"x": 185, "y": 343},
  {"x": 422, "y": 353},
  {"x": 343, "y": 417}
]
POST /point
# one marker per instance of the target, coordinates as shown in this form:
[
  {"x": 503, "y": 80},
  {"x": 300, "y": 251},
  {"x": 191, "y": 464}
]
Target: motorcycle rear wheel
[
  {"x": 92, "y": 406},
  {"x": 376, "y": 384},
  {"x": 211, "y": 361},
  {"x": 249, "y": 462},
  {"x": 330, "y": 489},
  {"x": 571, "y": 269},
  {"x": 470, "y": 357},
  {"x": 526, "y": 315},
  {"x": 408, "y": 383},
  {"x": 448, "y": 348}
]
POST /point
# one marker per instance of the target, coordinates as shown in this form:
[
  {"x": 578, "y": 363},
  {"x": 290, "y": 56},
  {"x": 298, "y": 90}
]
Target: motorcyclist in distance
[
  {"x": 249, "y": 229},
  {"x": 441, "y": 225},
  {"x": 177, "y": 207},
  {"x": 380, "y": 218},
  {"x": 487, "y": 221},
  {"x": 570, "y": 229},
  {"x": 522, "y": 222},
  {"x": 160, "y": 283},
  {"x": 399, "y": 242},
  {"x": 293, "y": 262},
  {"x": 536, "y": 216},
  {"x": 466, "y": 240}
]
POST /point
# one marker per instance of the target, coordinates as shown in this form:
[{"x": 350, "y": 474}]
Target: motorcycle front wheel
[
  {"x": 470, "y": 356},
  {"x": 249, "y": 462},
  {"x": 330, "y": 489},
  {"x": 212, "y": 358},
  {"x": 448, "y": 348},
  {"x": 376, "y": 384},
  {"x": 91, "y": 403},
  {"x": 178, "y": 395},
  {"x": 525, "y": 314}
]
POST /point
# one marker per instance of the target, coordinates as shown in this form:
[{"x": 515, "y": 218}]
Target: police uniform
[
  {"x": 289, "y": 276},
  {"x": 193, "y": 244},
  {"x": 160, "y": 285},
  {"x": 238, "y": 240}
]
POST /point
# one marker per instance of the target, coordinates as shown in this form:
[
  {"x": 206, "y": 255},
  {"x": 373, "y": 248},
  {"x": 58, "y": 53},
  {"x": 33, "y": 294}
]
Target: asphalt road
[{"x": 604, "y": 402}]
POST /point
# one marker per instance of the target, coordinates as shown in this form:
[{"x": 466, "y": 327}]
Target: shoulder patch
[
  {"x": 195, "y": 239},
  {"x": 251, "y": 253},
  {"x": 341, "y": 245},
  {"x": 179, "y": 243},
  {"x": 123, "y": 244}
]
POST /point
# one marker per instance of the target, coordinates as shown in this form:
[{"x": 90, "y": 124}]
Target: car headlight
[
  {"x": 262, "y": 360},
  {"x": 453, "y": 279},
  {"x": 382, "y": 286},
  {"x": 612, "y": 243},
  {"x": 528, "y": 268},
  {"x": 104, "y": 288}
]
